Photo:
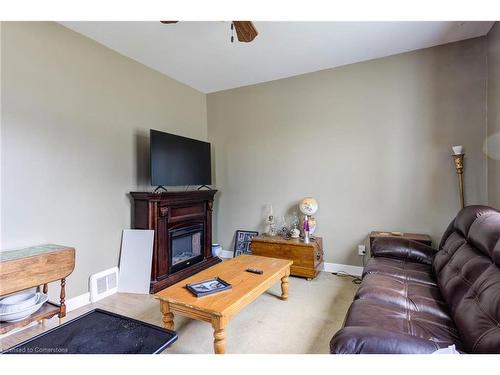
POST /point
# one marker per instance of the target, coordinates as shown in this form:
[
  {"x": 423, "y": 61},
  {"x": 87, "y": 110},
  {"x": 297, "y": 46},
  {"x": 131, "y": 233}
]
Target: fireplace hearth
[{"x": 182, "y": 222}]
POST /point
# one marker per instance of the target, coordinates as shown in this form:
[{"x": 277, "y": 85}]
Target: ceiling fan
[{"x": 245, "y": 30}]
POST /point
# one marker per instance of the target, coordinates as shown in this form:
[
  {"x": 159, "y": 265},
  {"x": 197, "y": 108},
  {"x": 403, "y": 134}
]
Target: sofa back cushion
[{"x": 467, "y": 269}]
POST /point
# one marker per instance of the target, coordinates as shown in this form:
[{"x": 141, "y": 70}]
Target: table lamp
[{"x": 308, "y": 206}]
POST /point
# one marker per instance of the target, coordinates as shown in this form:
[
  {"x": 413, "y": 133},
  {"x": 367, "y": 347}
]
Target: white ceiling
[{"x": 201, "y": 55}]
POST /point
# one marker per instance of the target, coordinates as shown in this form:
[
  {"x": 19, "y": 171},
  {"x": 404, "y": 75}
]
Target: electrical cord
[{"x": 355, "y": 279}]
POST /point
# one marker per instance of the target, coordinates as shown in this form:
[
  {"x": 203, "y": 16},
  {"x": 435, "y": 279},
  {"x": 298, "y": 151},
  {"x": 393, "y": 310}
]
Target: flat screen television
[{"x": 177, "y": 160}]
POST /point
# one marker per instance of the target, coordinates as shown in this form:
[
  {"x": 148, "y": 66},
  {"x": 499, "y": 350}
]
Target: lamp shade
[{"x": 308, "y": 206}]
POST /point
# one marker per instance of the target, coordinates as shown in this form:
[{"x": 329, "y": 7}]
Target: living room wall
[
  {"x": 75, "y": 140},
  {"x": 76, "y": 115},
  {"x": 370, "y": 141},
  {"x": 493, "y": 143}
]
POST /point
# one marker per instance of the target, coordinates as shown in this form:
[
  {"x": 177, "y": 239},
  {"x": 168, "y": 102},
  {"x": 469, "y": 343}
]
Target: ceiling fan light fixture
[{"x": 245, "y": 31}]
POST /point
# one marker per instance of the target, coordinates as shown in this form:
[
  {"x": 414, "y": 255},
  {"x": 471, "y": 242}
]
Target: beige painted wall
[
  {"x": 75, "y": 118},
  {"x": 493, "y": 144},
  {"x": 76, "y": 115},
  {"x": 371, "y": 141}
]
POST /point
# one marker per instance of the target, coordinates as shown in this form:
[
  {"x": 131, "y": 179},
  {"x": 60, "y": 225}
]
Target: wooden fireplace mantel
[{"x": 164, "y": 211}]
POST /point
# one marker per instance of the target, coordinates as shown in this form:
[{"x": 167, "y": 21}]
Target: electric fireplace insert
[{"x": 186, "y": 246}]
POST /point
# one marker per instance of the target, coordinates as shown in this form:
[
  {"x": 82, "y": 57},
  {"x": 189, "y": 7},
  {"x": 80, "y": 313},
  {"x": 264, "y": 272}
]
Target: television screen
[{"x": 177, "y": 160}]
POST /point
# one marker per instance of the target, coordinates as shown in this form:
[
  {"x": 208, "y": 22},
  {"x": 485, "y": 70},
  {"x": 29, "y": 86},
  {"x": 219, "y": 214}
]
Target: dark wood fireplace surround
[{"x": 163, "y": 212}]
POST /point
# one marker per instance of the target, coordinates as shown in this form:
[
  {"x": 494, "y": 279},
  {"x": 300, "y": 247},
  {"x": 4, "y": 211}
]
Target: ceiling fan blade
[
  {"x": 245, "y": 30},
  {"x": 168, "y": 22}
]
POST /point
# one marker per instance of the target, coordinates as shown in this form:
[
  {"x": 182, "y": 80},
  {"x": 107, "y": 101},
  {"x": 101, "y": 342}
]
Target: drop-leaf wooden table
[{"x": 33, "y": 267}]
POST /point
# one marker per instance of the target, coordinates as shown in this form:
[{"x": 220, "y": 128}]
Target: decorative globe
[{"x": 308, "y": 206}]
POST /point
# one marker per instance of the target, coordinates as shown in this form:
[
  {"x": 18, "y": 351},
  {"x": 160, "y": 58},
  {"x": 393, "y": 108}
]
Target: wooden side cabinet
[{"x": 307, "y": 258}]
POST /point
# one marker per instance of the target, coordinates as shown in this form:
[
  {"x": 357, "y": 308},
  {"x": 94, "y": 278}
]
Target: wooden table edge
[{"x": 61, "y": 250}]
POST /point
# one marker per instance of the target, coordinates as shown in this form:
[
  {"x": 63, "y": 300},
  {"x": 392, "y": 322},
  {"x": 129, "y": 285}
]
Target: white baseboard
[
  {"x": 78, "y": 301},
  {"x": 347, "y": 268},
  {"x": 327, "y": 267},
  {"x": 75, "y": 302}
]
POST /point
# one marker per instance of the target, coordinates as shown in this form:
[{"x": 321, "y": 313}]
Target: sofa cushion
[
  {"x": 468, "y": 277},
  {"x": 402, "y": 269},
  {"x": 391, "y": 318},
  {"x": 370, "y": 340},
  {"x": 467, "y": 216},
  {"x": 484, "y": 235},
  {"x": 478, "y": 313},
  {"x": 457, "y": 268},
  {"x": 402, "y": 248},
  {"x": 415, "y": 296}
]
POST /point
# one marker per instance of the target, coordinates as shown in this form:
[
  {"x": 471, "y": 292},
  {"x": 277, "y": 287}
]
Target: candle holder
[{"x": 459, "y": 167}]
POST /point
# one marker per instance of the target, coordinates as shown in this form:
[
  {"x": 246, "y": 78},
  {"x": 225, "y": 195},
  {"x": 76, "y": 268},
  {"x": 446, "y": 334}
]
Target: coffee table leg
[
  {"x": 219, "y": 325},
  {"x": 284, "y": 286},
  {"x": 168, "y": 317}
]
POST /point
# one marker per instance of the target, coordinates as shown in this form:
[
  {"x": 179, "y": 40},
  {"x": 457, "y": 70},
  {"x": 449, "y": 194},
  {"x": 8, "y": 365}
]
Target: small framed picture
[
  {"x": 242, "y": 241},
  {"x": 206, "y": 287}
]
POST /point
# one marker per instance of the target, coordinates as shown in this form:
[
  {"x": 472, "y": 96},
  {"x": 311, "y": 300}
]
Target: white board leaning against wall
[{"x": 135, "y": 261}]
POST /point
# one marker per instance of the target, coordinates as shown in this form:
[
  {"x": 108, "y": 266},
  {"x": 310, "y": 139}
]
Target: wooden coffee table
[{"x": 218, "y": 308}]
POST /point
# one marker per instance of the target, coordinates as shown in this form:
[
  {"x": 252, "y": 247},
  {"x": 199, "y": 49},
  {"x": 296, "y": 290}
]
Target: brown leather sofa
[{"x": 415, "y": 299}]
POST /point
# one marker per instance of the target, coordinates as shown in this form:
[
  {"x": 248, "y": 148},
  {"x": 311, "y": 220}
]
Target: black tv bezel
[{"x": 191, "y": 183}]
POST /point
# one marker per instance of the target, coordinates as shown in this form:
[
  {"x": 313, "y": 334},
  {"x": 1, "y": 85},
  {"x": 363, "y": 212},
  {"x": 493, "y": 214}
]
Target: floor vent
[{"x": 103, "y": 284}]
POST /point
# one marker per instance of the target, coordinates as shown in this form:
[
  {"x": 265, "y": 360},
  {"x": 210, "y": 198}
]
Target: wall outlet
[{"x": 361, "y": 250}]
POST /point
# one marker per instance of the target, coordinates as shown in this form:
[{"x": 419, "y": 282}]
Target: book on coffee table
[{"x": 210, "y": 286}]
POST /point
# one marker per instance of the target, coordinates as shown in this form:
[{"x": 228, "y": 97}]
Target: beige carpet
[{"x": 305, "y": 323}]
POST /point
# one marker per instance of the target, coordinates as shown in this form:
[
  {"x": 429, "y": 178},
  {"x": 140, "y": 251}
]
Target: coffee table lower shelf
[{"x": 47, "y": 311}]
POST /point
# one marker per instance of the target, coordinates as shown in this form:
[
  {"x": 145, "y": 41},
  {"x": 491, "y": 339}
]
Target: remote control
[{"x": 253, "y": 270}]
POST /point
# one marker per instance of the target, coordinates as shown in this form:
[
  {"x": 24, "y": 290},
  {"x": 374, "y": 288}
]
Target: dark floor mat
[{"x": 98, "y": 332}]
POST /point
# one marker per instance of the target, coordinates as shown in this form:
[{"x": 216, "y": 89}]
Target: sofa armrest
[
  {"x": 368, "y": 340},
  {"x": 402, "y": 248}
]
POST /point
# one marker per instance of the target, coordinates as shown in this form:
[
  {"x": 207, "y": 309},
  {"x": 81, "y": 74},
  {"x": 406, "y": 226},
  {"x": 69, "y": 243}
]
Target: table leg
[
  {"x": 168, "y": 317},
  {"x": 45, "y": 288},
  {"x": 62, "y": 306},
  {"x": 219, "y": 325},
  {"x": 284, "y": 286}
]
